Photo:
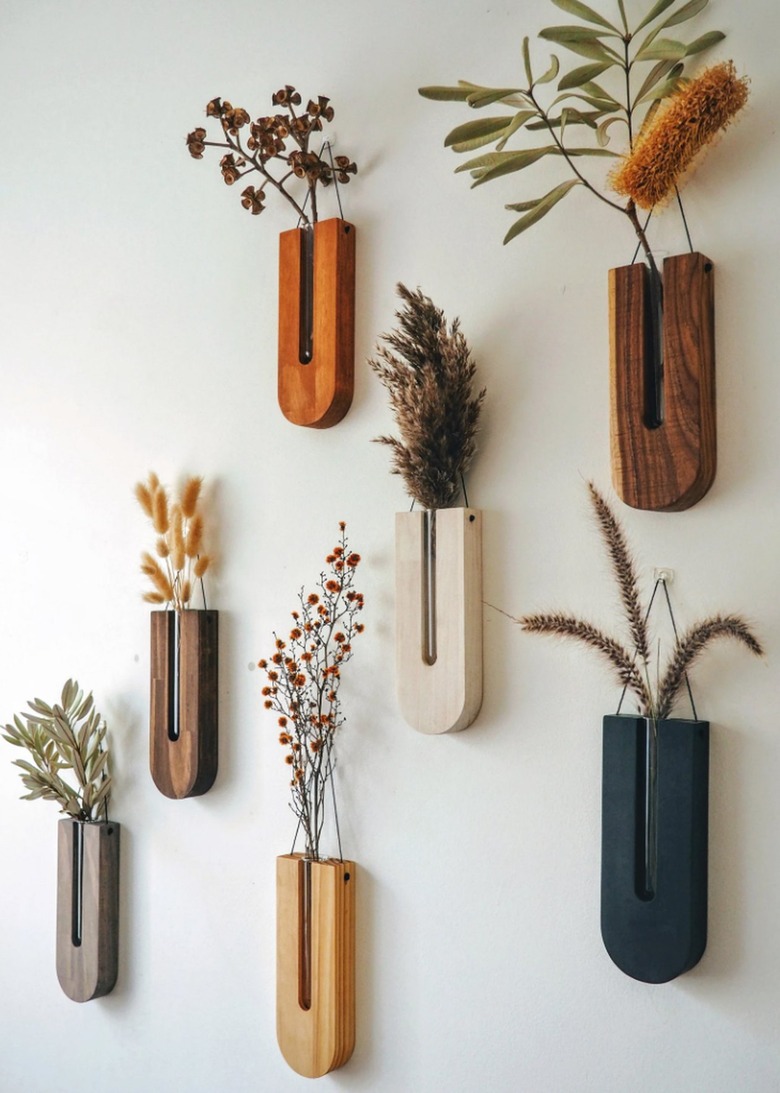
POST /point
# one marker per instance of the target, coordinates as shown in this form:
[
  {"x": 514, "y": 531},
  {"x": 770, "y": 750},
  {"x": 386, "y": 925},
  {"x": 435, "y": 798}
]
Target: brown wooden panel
[
  {"x": 89, "y": 969},
  {"x": 185, "y": 766},
  {"x": 671, "y": 467},
  {"x": 318, "y": 394},
  {"x": 321, "y": 1038}
]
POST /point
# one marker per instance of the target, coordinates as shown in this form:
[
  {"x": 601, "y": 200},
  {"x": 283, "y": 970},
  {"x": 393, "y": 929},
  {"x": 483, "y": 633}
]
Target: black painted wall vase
[{"x": 654, "y": 845}]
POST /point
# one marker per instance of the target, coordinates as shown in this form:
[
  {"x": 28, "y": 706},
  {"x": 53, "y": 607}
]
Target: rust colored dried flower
[
  {"x": 289, "y": 759},
  {"x": 233, "y": 118},
  {"x": 196, "y": 142},
  {"x": 353, "y": 559},
  {"x": 282, "y": 721},
  {"x": 253, "y": 199},
  {"x": 312, "y": 598},
  {"x": 262, "y": 663},
  {"x": 296, "y": 633},
  {"x": 332, "y": 586},
  {"x": 268, "y": 704},
  {"x": 230, "y": 168},
  {"x": 285, "y": 738},
  {"x": 286, "y": 94},
  {"x": 214, "y": 108},
  {"x": 678, "y": 132},
  {"x": 340, "y": 638},
  {"x": 359, "y": 627}
]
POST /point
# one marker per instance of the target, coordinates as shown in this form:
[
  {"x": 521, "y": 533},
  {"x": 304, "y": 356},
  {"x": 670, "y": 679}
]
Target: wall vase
[
  {"x": 317, "y": 322},
  {"x": 183, "y": 742},
  {"x": 87, "y": 907},
  {"x": 654, "y": 845},
  {"x": 438, "y": 597},
  {"x": 315, "y": 963},
  {"x": 662, "y": 383}
]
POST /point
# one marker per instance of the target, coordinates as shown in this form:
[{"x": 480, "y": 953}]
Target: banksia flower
[
  {"x": 678, "y": 132},
  {"x": 428, "y": 372}
]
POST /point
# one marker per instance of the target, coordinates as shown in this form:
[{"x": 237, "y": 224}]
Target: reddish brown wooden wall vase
[
  {"x": 183, "y": 741},
  {"x": 666, "y": 466},
  {"x": 317, "y": 323},
  {"x": 315, "y": 963},
  {"x": 87, "y": 908}
]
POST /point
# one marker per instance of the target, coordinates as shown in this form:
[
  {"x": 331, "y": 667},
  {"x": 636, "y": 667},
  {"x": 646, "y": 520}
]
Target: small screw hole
[
  {"x": 346, "y": 877},
  {"x": 708, "y": 267},
  {"x": 472, "y": 518},
  {"x": 109, "y": 831}
]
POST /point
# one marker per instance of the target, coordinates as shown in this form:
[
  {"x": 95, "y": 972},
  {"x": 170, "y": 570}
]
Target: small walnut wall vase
[
  {"x": 662, "y": 383},
  {"x": 317, "y": 322},
  {"x": 654, "y": 845},
  {"x": 315, "y": 963},
  {"x": 87, "y": 907},
  {"x": 183, "y": 738},
  {"x": 438, "y": 589}
]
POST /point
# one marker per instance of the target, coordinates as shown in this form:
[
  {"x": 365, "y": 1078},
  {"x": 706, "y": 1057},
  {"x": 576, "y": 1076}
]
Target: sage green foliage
[
  {"x": 583, "y": 106},
  {"x": 67, "y": 737}
]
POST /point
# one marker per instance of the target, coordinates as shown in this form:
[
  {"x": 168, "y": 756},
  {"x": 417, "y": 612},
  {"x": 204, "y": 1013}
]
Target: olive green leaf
[
  {"x": 486, "y": 97},
  {"x": 705, "y": 42},
  {"x": 552, "y": 71},
  {"x": 687, "y": 11},
  {"x": 602, "y": 134},
  {"x": 584, "y": 74},
  {"x": 662, "y": 49},
  {"x": 537, "y": 209},
  {"x": 656, "y": 10},
  {"x": 473, "y": 134},
  {"x": 582, "y": 11},
  {"x": 449, "y": 94}
]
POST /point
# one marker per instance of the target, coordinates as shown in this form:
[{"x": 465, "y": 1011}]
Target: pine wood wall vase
[
  {"x": 663, "y": 438},
  {"x": 438, "y": 596},
  {"x": 315, "y": 963},
  {"x": 654, "y": 852},
  {"x": 87, "y": 907},
  {"x": 317, "y": 322},
  {"x": 183, "y": 741}
]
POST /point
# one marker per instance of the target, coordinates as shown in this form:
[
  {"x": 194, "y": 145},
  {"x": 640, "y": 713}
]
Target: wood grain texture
[
  {"x": 671, "y": 467},
  {"x": 89, "y": 969},
  {"x": 444, "y": 696},
  {"x": 186, "y": 766},
  {"x": 317, "y": 1040},
  {"x": 318, "y": 394}
]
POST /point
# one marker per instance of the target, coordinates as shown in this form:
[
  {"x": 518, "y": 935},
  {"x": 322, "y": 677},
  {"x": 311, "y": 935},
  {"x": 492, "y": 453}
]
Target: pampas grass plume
[
  {"x": 194, "y": 538},
  {"x": 143, "y": 496}
]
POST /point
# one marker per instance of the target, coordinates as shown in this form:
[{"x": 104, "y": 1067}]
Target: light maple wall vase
[
  {"x": 87, "y": 907},
  {"x": 438, "y": 589},
  {"x": 317, "y": 322},
  {"x": 183, "y": 736},
  {"x": 315, "y": 969},
  {"x": 662, "y": 383}
]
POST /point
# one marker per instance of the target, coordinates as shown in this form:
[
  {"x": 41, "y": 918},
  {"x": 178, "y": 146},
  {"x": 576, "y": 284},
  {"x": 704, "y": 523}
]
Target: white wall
[{"x": 138, "y": 315}]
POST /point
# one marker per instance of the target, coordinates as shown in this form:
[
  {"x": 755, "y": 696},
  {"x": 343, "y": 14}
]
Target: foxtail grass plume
[
  {"x": 631, "y": 663},
  {"x": 678, "y": 132}
]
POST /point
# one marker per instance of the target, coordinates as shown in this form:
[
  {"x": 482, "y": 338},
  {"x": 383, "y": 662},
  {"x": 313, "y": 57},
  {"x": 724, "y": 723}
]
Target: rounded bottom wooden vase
[
  {"x": 315, "y": 963},
  {"x": 87, "y": 907}
]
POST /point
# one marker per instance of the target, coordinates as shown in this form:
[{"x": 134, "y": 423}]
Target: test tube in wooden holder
[
  {"x": 666, "y": 462},
  {"x": 438, "y": 626},
  {"x": 183, "y": 740},
  {"x": 317, "y": 323},
  {"x": 654, "y": 852},
  {"x": 315, "y": 963},
  {"x": 87, "y": 908}
]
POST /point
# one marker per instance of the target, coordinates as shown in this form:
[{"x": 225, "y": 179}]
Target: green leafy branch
[
  {"x": 582, "y": 102},
  {"x": 67, "y": 737}
]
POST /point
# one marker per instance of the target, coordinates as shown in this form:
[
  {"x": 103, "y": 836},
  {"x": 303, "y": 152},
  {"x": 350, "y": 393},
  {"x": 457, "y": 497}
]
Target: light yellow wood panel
[{"x": 319, "y": 1039}]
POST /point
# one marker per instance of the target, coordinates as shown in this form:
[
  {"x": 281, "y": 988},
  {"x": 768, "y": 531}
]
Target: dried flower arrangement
[
  {"x": 427, "y": 369},
  {"x": 631, "y": 663},
  {"x": 179, "y": 546},
  {"x": 68, "y": 736},
  {"x": 304, "y": 677},
  {"x": 280, "y": 140},
  {"x": 662, "y": 140}
]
